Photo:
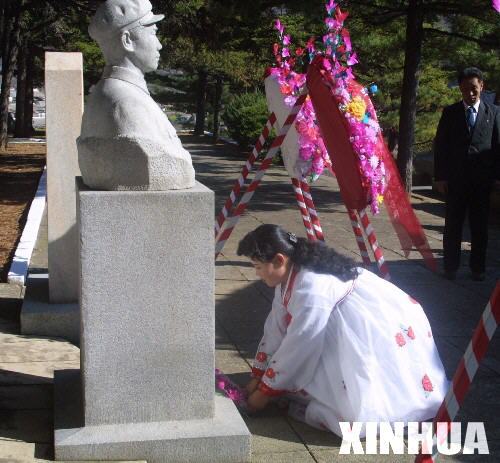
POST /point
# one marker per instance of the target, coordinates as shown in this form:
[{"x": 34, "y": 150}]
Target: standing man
[{"x": 466, "y": 163}]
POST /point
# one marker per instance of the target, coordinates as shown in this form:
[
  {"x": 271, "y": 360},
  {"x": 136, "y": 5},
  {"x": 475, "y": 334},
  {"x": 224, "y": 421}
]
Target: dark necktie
[{"x": 471, "y": 120}]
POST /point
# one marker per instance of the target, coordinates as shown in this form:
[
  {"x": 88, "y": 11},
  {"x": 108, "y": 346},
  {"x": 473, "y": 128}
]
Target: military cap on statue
[{"x": 115, "y": 16}]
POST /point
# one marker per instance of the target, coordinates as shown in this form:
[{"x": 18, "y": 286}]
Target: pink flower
[
  {"x": 279, "y": 27},
  {"x": 353, "y": 59},
  {"x": 496, "y": 5},
  {"x": 400, "y": 340},
  {"x": 305, "y": 152},
  {"x": 330, "y": 6},
  {"x": 234, "y": 392},
  {"x": 330, "y": 23},
  {"x": 427, "y": 384},
  {"x": 411, "y": 333},
  {"x": 286, "y": 40}
]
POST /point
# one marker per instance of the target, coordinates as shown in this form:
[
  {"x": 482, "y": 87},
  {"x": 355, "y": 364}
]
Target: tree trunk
[
  {"x": 201, "y": 101},
  {"x": 219, "y": 83},
  {"x": 28, "y": 102},
  {"x": 21, "y": 91},
  {"x": 8, "y": 65},
  {"x": 408, "y": 110},
  {"x": 5, "y": 30},
  {"x": 3, "y": 19}
]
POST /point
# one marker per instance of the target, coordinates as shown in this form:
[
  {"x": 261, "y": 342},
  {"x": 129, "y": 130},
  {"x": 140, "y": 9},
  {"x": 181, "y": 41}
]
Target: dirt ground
[{"x": 20, "y": 169}]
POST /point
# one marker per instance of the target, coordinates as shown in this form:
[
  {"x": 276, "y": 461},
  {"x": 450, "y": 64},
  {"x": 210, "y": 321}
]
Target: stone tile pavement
[{"x": 27, "y": 363}]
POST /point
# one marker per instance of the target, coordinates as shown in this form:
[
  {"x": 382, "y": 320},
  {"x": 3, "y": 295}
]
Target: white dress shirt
[{"x": 476, "y": 109}]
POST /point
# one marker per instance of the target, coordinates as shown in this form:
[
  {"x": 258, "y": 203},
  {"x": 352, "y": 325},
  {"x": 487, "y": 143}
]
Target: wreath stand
[
  {"x": 490, "y": 319},
  {"x": 230, "y": 214}
]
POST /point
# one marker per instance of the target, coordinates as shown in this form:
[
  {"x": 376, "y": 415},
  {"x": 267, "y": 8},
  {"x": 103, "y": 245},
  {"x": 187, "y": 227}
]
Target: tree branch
[{"x": 483, "y": 42}]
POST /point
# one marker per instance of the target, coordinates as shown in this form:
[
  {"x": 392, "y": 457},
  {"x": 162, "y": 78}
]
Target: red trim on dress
[
  {"x": 257, "y": 372},
  {"x": 269, "y": 391},
  {"x": 289, "y": 288}
]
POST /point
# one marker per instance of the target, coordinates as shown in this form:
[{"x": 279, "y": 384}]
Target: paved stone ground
[{"x": 242, "y": 303}]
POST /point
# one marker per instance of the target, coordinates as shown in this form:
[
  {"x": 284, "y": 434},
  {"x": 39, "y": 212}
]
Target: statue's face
[{"x": 146, "y": 54}]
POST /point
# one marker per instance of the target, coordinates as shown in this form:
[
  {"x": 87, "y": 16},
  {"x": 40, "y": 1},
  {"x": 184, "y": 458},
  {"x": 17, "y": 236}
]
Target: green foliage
[
  {"x": 234, "y": 39},
  {"x": 381, "y": 56},
  {"x": 245, "y": 115},
  {"x": 93, "y": 61}
]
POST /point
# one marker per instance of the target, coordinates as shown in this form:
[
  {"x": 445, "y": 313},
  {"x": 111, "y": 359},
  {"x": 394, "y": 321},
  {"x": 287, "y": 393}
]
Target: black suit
[{"x": 470, "y": 161}]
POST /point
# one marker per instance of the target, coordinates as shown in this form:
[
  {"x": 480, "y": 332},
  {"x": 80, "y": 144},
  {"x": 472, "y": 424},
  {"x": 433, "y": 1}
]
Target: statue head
[{"x": 126, "y": 33}]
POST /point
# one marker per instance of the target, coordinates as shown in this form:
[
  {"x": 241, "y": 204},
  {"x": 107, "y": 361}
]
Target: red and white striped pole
[
  {"x": 244, "y": 173},
  {"x": 311, "y": 208},
  {"x": 358, "y": 234},
  {"x": 466, "y": 370},
  {"x": 233, "y": 220},
  {"x": 372, "y": 239},
  {"x": 306, "y": 218}
]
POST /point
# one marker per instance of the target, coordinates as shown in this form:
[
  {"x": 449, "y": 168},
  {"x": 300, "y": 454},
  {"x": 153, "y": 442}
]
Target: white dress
[{"x": 360, "y": 350}]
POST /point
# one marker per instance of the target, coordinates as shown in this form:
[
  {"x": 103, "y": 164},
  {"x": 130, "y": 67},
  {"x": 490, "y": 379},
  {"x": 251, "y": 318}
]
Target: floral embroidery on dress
[
  {"x": 270, "y": 373},
  {"x": 409, "y": 331},
  {"x": 261, "y": 357},
  {"x": 400, "y": 340},
  {"x": 288, "y": 318},
  {"x": 413, "y": 301},
  {"x": 427, "y": 385}
]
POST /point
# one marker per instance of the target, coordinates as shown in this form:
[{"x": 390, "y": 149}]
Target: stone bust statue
[{"x": 126, "y": 141}]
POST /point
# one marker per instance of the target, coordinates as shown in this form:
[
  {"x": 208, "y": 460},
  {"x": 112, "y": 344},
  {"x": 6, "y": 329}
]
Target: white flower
[{"x": 374, "y": 161}]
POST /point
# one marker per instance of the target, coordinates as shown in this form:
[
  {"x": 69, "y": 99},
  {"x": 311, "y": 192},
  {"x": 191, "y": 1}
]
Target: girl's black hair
[{"x": 266, "y": 241}]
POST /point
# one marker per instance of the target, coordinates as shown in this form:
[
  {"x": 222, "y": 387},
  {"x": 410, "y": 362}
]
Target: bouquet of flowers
[{"x": 230, "y": 389}]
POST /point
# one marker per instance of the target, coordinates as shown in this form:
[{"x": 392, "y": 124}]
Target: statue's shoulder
[
  {"x": 119, "y": 98},
  {"x": 116, "y": 91}
]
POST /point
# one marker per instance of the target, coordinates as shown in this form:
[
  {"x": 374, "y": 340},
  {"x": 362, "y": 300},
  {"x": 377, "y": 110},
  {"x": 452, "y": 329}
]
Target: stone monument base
[
  {"x": 40, "y": 317},
  {"x": 223, "y": 438}
]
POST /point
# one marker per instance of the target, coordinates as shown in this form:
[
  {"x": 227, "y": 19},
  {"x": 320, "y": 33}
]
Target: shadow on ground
[{"x": 453, "y": 313}]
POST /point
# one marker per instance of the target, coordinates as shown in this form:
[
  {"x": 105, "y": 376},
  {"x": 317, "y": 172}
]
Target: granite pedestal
[{"x": 146, "y": 385}]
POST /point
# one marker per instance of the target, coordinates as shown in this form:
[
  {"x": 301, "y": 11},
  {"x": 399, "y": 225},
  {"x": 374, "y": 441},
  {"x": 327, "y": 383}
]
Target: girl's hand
[
  {"x": 251, "y": 387},
  {"x": 257, "y": 401}
]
